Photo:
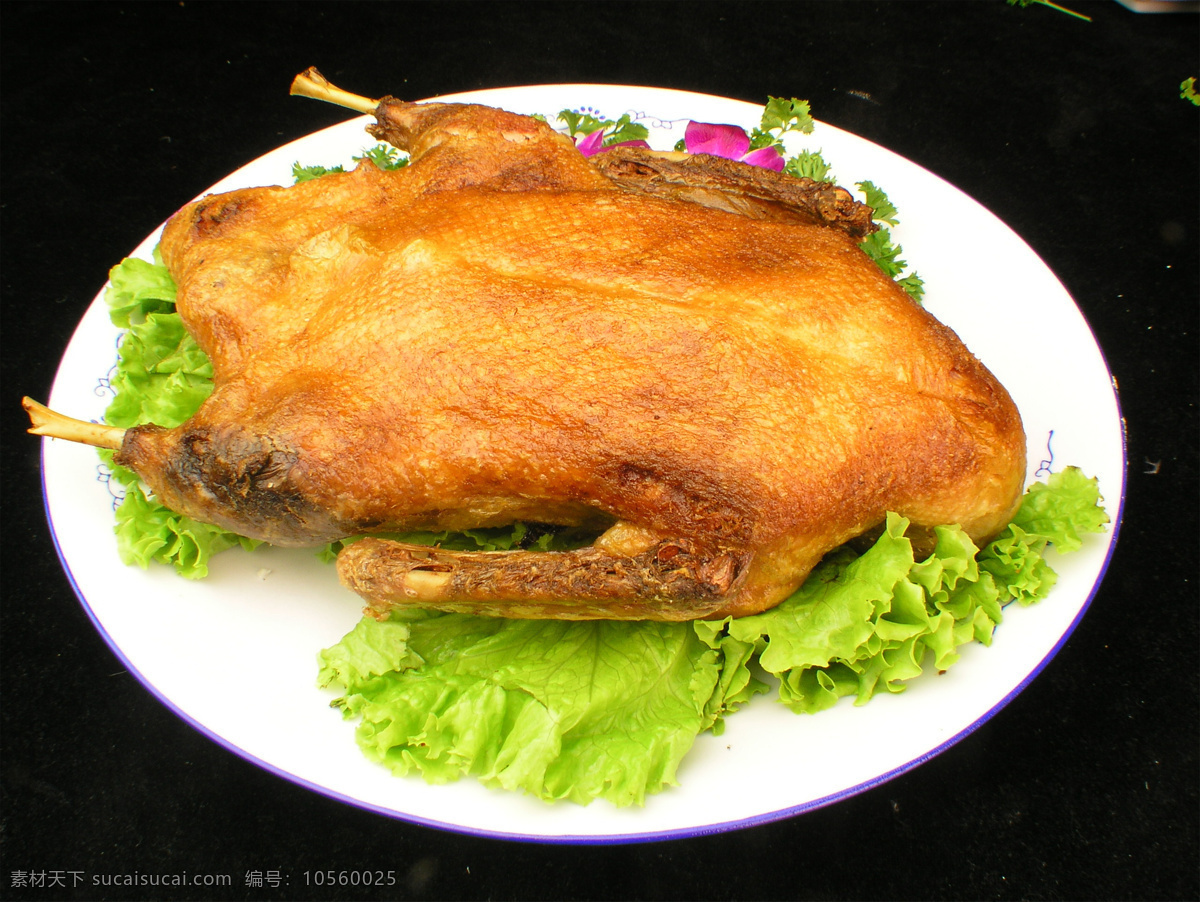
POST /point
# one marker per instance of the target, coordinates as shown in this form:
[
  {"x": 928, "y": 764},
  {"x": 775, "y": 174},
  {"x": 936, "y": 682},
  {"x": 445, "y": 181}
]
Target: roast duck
[{"x": 687, "y": 354}]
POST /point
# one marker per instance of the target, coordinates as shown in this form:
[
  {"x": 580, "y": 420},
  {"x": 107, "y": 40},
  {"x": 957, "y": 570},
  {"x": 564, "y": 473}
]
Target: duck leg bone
[
  {"x": 44, "y": 421},
  {"x": 671, "y": 580}
]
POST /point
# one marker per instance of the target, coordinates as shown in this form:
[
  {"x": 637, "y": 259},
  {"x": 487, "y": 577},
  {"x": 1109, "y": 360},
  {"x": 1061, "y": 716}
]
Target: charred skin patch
[
  {"x": 231, "y": 477},
  {"x": 208, "y": 217},
  {"x": 245, "y": 474}
]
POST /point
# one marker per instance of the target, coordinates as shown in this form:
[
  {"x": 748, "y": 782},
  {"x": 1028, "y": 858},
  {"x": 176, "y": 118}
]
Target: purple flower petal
[
  {"x": 638, "y": 143},
  {"x": 766, "y": 157},
  {"x": 591, "y": 143},
  {"x": 727, "y": 141}
]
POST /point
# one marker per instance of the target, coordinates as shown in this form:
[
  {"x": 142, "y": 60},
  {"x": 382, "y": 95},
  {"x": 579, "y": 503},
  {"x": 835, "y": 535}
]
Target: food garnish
[{"x": 570, "y": 709}]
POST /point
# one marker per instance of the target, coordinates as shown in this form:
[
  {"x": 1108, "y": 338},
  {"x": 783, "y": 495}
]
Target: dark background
[{"x": 1085, "y": 787}]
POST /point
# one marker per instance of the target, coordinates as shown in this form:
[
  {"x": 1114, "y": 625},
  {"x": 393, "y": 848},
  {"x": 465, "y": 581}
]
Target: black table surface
[{"x": 1073, "y": 132}]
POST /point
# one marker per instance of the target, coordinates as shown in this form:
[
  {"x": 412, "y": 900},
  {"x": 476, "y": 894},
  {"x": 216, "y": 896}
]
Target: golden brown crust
[{"x": 501, "y": 332}]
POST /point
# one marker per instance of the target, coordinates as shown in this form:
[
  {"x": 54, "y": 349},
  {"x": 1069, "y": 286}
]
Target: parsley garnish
[
  {"x": 1187, "y": 90},
  {"x": 886, "y": 254},
  {"x": 305, "y": 173},
  {"x": 885, "y": 210},
  {"x": 780, "y": 117},
  {"x": 808, "y": 164},
  {"x": 616, "y": 130},
  {"x": 880, "y": 247},
  {"x": 382, "y": 155}
]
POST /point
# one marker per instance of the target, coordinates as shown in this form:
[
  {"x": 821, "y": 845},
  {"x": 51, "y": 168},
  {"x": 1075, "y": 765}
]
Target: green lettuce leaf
[
  {"x": 161, "y": 377},
  {"x": 558, "y": 709},
  {"x": 1062, "y": 508},
  {"x": 865, "y": 623},
  {"x": 862, "y": 623},
  {"x": 147, "y": 533},
  {"x": 580, "y": 711},
  {"x": 138, "y": 288},
  {"x": 1055, "y": 512}
]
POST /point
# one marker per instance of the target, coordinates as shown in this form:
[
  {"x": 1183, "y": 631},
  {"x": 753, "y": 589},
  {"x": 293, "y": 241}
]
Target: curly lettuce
[
  {"x": 867, "y": 623},
  {"x": 579, "y": 711},
  {"x": 162, "y": 376},
  {"x": 558, "y": 709}
]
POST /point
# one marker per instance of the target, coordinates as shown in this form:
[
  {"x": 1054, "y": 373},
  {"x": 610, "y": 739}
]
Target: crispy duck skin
[
  {"x": 736, "y": 187},
  {"x": 698, "y": 363}
]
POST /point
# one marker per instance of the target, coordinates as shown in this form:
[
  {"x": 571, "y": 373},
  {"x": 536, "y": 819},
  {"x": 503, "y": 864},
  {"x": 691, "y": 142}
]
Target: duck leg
[{"x": 671, "y": 580}]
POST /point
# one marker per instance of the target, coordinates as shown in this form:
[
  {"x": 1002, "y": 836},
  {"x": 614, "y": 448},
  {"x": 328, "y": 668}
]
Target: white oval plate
[{"x": 235, "y": 654}]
